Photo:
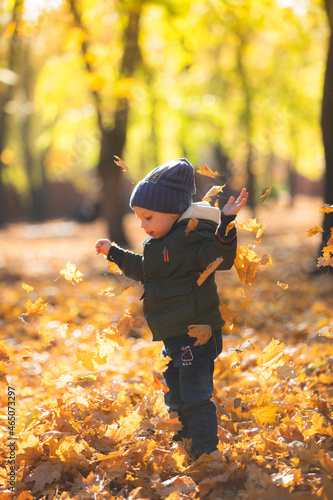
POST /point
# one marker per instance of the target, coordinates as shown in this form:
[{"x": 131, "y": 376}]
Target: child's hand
[
  {"x": 103, "y": 247},
  {"x": 233, "y": 206}
]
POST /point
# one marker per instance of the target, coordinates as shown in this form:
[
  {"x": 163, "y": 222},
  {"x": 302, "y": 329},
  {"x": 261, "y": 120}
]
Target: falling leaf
[
  {"x": 213, "y": 192},
  {"x": 209, "y": 270},
  {"x": 192, "y": 224},
  {"x": 71, "y": 273},
  {"x": 266, "y": 193},
  {"x": 28, "y": 288},
  {"x": 124, "y": 323},
  {"x": 250, "y": 225},
  {"x": 230, "y": 226},
  {"x": 63, "y": 330},
  {"x": 271, "y": 351},
  {"x": 327, "y": 259},
  {"x": 113, "y": 268},
  {"x": 284, "y": 286},
  {"x": 315, "y": 230},
  {"x": 36, "y": 308},
  {"x": 247, "y": 263},
  {"x": 201, "y": 332},
  {"x": 205, "y": 170},
  {"x": 326, "y": 209},
  {"x": 46, "y": 336},
  {"x": 118, "y": 161}
]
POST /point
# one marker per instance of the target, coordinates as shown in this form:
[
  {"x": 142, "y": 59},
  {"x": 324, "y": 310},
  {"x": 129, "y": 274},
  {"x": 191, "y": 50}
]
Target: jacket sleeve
[
  {"x": 130, "y": 263},
  {"x": 219, "y": 245}
]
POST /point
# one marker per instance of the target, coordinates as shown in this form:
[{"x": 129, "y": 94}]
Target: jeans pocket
[{"x": 217, "y": 342}]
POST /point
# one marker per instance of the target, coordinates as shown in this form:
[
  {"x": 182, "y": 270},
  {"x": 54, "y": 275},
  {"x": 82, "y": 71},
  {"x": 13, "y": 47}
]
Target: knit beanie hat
[{"x": 168, "y": 188}]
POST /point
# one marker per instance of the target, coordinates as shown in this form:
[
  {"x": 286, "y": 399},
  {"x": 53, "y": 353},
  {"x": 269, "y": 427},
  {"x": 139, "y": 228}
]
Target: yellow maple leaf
[
  {"x": 4, "y": 352},
  {"x": 209, "y": 270},
  {"x": 315, "y": 230},
  {"x": 36, "y": 308},
  {"x": 265, "y": 412},
  {"x": 201, "y": 332},
  {"x": 192, "y": 224},
  {"x": 250, "y": 225},
  {"x": 205, "y": 170},
  {"x": 63, "y": 330},
  {"x": 213, "y": 192},
  {"x": 46, "y": 335},
  {"x": 327, "y": 259},
  {"x": 71, "y": 273}
]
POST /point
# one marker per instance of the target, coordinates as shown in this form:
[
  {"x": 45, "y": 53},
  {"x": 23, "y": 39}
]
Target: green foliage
[{"x": 228, "y": 72}]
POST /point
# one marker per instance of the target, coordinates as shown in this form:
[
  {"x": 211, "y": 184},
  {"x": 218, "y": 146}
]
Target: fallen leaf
[
  {"x": 209, "y": 270},
  {"x": 113, "y": 268}
]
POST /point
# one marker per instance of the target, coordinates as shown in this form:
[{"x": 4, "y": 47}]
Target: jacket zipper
[{"x": 165, "y": 254}]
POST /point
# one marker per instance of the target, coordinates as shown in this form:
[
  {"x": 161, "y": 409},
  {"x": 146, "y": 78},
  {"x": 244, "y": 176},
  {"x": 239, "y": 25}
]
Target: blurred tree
[
  {"x": 327, "y": 128},
  {"x": 113, "y": 139},
  {"x": 7, "y": 87}
]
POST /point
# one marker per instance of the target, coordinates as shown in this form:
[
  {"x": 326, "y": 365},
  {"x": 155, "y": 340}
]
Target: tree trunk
[
  {"x": 114, "y": 203},
  {"x": 327, "y": 130},
  {"x": 8, "y": 96}
]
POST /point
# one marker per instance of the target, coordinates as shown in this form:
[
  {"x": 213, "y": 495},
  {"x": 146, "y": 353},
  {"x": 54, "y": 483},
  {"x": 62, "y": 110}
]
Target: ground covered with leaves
[{"x": 88, "y": 386}]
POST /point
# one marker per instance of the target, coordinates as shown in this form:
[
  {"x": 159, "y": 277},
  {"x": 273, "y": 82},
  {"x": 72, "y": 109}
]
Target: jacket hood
[{"x": 201, "y": 210}]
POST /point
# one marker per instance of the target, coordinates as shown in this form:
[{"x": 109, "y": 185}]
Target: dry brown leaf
[{"x": 209, "y": 270}]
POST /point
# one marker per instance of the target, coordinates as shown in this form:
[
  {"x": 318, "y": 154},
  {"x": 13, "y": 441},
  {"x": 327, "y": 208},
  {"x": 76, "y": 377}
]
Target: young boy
[{"x": 169, "y": 268}]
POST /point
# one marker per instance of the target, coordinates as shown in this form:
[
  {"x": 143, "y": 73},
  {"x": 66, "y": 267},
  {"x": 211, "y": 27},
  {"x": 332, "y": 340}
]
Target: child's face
[{"x": 155, "y": 224}]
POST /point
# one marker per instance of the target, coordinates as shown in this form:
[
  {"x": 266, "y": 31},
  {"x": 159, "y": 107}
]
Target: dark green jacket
[{"x": 169, "y": 269}]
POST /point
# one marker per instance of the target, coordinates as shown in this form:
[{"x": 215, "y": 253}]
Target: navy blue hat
[{"x": 168, "y": 188}]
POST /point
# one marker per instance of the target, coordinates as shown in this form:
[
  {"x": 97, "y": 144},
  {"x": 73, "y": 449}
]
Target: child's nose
[{"x": 143, "y": 224}]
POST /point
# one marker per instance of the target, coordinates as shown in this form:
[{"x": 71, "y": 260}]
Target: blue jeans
[{"x": 189, "y": 377}]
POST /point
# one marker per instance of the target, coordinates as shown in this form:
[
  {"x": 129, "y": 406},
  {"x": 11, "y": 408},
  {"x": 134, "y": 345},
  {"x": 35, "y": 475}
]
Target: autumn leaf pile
[{"x": 91, "y": 420}]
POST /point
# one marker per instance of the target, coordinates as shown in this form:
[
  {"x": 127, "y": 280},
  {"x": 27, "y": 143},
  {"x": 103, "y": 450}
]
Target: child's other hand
[
  {"x": 233, "y": 206},
  {"x": 103, "y": 247}
]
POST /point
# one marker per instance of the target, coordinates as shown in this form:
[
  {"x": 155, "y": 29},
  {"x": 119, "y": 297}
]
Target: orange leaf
[
  {"x": 271, "y": 351},
  {"x": 123, "y": 323},
  {"x": 230, "y": 226},
  {"x": 36, "y": 308},
  {"x": 284, "y": 286},
  {"x": 315, "y": 230},
  {"x": 265, "y": 413},
  {"x": 4, "y": 352},
  {"x": 113, "y": 268},
  {"x": 201, "y": 332},
  {"x": 193, "y": 222},
  {"x": 118, "y": 161},
  {"x": 205, "y": 170},
  {"x": 326, "y": 209},
  {"x": 209, "y": 270},
  {"x": 71, "y": 273},
  {"x": 47, "y": 337}
]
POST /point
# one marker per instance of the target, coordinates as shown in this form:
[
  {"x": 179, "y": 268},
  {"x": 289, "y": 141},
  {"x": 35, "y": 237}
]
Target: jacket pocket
[{"x": 174, "y": 291}]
